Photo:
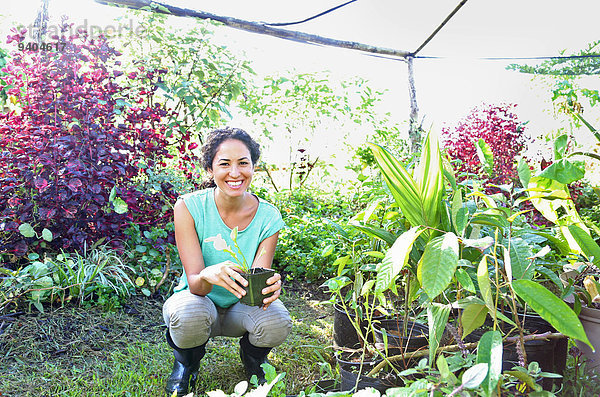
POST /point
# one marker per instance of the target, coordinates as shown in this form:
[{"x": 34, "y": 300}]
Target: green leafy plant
[
  {"x": 152, "y": 255},
  {"x": 87, "y": 276},
  {"x": 309, "y": 244},
  {"x": 237, "y": 255},
  {"x": 478, "y": 253},
  {"x": 199, "y": 79}
]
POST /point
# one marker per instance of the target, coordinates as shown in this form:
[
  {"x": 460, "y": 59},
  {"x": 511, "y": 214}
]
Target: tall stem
[{"x": 406, "y": 295}]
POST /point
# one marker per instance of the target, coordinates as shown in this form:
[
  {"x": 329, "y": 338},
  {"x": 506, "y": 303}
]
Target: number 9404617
[{"x": 35, "y": 47}]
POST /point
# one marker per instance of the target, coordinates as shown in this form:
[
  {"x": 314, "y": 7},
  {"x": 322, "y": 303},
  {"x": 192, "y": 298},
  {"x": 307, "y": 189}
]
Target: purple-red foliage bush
[
  {"x": 84, "y": 129},
  {"x": 500, "y": 128}
]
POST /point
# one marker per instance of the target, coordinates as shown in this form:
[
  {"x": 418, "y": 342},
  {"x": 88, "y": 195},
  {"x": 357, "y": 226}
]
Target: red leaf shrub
[
  {"x": 500, "y": 128},
  {"x": 80, "y": 135}
]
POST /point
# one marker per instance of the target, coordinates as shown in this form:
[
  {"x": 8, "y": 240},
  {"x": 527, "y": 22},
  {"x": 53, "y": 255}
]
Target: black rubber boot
[
  {"x": 185, "y": 368},
  {"x": 252, "y": 357}
]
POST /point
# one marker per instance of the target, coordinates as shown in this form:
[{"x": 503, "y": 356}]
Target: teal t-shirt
[{"x": 201, "y": 204}]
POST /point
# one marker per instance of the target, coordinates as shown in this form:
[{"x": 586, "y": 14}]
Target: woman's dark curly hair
[{"x": 214, "y": 140}]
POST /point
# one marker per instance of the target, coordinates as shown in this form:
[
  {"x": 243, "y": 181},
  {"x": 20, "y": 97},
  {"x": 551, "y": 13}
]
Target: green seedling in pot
[{"x": 221, "y": 245}]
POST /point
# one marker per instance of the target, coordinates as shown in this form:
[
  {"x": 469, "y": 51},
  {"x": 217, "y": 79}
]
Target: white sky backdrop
[{"x": 446, "y": 88}]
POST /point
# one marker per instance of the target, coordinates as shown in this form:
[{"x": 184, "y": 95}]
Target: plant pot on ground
[
  {"x": 344, "y": 333},
  {"x": 257, "y": 280},
  {"x": 353, "y": 369},
  {"x": 590, "y": 319},
  {"x": 585, "y": 277},
  {"x": 401, "y": 339},
  {"x": 550, "y": 354}
]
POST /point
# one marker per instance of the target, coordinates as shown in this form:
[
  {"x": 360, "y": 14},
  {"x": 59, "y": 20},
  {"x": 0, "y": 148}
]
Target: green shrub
[
  {"x": 152, "y": 253},
  {"x": 309, "y": 245},
  {"x": 588, "y": 204},
  {"x": 98, "y": 275}
]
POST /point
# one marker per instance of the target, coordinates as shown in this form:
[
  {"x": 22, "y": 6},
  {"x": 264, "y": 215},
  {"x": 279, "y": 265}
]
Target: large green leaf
[
  {"x": 551, "y": 309},
  {"x": 586, "y": 243},
  {"x": 522, "y": 267},
  {"x": 485, "y": 156},
  {"x": 563, "y": 171},
  {"x": 419, "y": 197},
  {"x": 401, "y": 183},
  {"x": 376, "y": 232},
  {"x": 483, "y": 279},
  {"x": 489, "y": 351},
  {"x": 437, "y": 318},
  {"x": 459, "y": 213},
  {"x": 465, "y": 280},
  {"x": 429, "y": 175},
  {"x": 474, "y": 376},
  {"x": 524, "y": 172},
  {"x": 560, "y": 146},
  {"x": 396, "y": 258},
  {"x": 473, "y": 317},
  {"x": 438, "y": 264}
]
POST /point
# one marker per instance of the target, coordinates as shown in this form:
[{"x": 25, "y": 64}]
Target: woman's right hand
[{"x": 225, "y": 274}]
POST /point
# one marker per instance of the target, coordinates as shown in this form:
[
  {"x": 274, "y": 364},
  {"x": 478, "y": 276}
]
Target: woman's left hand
[{"x": 274, "y": 283}]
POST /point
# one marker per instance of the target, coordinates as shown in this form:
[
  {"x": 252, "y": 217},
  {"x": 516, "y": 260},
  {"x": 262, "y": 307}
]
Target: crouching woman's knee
[
  {"x": 274, "y": 327},
  {"x": 189, "y": 318}
]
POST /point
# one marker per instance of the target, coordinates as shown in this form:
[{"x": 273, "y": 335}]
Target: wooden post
[
  {"x": 414, "y": 129},
  {"x": 40, "y": 26}
]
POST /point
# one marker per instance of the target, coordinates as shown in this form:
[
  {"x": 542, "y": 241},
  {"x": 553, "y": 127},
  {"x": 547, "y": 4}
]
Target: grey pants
[{"x": 193, "y": 319}]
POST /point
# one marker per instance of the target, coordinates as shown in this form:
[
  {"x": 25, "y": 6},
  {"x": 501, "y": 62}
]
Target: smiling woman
[{"x": 207, "y": 300}]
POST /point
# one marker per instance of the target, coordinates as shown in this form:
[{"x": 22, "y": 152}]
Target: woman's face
[{"x": 232, "y": 167}]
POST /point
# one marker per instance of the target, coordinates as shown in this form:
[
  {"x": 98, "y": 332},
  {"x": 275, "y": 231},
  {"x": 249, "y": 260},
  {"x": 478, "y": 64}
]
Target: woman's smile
[{"x": 234, "y": 184}]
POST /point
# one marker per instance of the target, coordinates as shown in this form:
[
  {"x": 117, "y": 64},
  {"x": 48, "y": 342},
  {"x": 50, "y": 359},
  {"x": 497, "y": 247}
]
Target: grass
[{"x": 75, "y": 351}]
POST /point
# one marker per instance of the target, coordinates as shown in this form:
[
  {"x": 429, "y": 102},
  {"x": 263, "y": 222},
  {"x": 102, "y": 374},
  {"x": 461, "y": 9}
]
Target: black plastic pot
[
  {"x": 257, "y": 280},
  {"x": 550, "y": 354},
  {"x": 352, "y": 371},
  {"x": 344, "y": 333},
  {"x": 327, "y": 385},
  {"x": 414, "y": 339}
]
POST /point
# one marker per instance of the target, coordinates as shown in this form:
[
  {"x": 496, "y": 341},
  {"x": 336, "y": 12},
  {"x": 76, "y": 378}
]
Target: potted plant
[
  {"x": 463, "y": 250},
  {"x": 549, "y": 193},
  {"x": 360, "y": 298},
  {"x": 256, "y": 276},
  {"x": 355, "y": 317},
  {"x": 585, "y": 284}
]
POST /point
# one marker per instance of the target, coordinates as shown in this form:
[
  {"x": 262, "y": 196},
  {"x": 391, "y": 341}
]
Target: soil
[
  {"x": 306, "y": 290},
  {"x": 60, "y": 331}
]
